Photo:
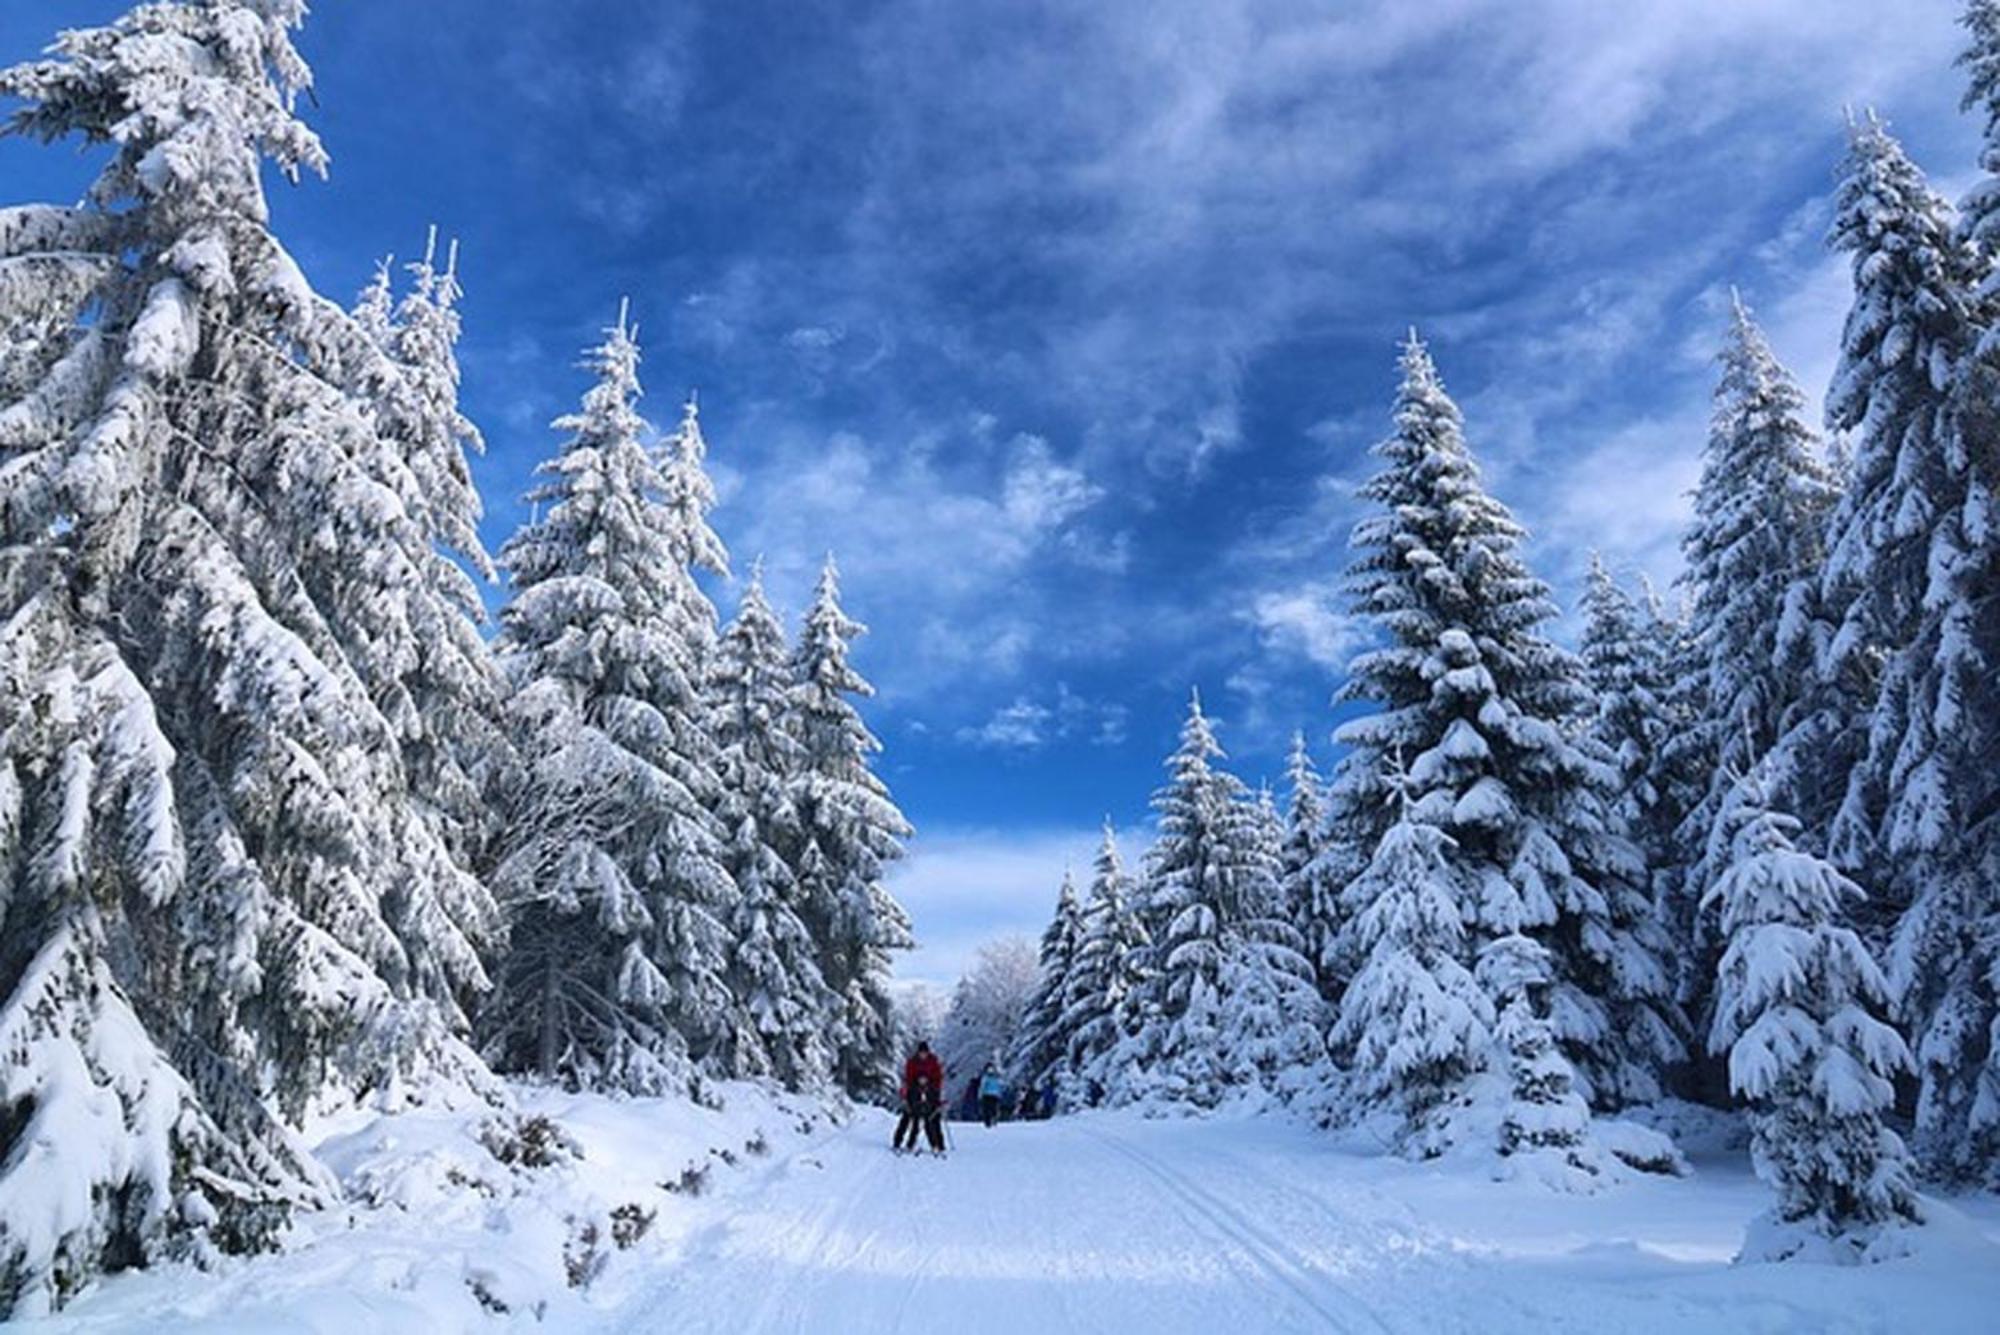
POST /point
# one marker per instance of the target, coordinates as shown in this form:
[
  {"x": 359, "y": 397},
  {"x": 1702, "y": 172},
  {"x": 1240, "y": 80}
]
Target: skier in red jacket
[{"x": 923, "y": 1100}]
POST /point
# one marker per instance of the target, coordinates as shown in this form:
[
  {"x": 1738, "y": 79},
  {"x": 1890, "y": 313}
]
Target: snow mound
[{"x": 450, "y": 1219}]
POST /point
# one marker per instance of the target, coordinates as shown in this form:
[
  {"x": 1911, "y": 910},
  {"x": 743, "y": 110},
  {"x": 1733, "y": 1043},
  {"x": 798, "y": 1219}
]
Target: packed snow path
[
  {"x": 1114, "y": 1223},
  {"x": 1072, "y": 1225}
]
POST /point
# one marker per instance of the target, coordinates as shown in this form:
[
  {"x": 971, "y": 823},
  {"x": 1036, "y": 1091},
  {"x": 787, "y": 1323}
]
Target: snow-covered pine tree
[
  {"x": 112, "y": 1155},
  {"x": 1677, "y": 776},
  {"x": 1911, "y": 590},
  {"x": 612, "y": 878},
  {"x": 1105, "y": 970},
  {"x": 1209, "y": 872},
  {"x": 1305, "y": 830},
  {"x": 444, "y": 700},
  {"x": 691, "y": 934},
  {"x": 1945, "y": 968},
  {"x": 1797, "y": 1010},
  {"x": 1414, "y": 1028},
  {"x": 1477, "y": 711},
  {"x": 1042, "y": 1047},
  {"x": 1753, "y": 548},
  {"x": 783, "y": 1003},
  {"x": 211, "y": 839},
  {"x": 1272, "y": 1023},
  {"x": 1624, "y": 661},
  {"x": 850, "y": 831},
  {"x": 1544, "y": 1115}
]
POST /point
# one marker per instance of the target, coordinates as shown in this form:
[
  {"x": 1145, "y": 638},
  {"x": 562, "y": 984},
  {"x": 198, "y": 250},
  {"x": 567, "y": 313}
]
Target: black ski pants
[{"x": 920, "y": 1109}]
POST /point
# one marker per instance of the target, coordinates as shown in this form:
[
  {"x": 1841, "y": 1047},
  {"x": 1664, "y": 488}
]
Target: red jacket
[{"x": 923, "y": 1070}]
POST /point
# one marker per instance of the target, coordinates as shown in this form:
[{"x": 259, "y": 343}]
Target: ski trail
[
  {"x": 1273, "y": 1257},
  {"x": 1050, "y": 1227}
]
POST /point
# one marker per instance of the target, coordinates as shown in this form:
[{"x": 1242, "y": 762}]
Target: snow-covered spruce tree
[
  {"x": 612, "y": 877},
  {"x": 1678, "y": 777},
  {"x": 1945, "y": 967},
  {"x": 444, "y": 695},
  {"x": 212, "y": 846},
  {"x": 1479, "y": 712},
  {"x": 1306, "y": 896},
  {"x": 1797, "y": 1010},
  {"x": 112, "y": 1155},
  {"x": 1544, "y": 1116},
  {"x": 1414, "y": 1028},
  {"x": 782, "y": 1003},
  {"x": 1911, "y": 591},
  {"x": 691, "y": 936},
  {"x": 1272, "y": 1023},
  {"x": 1042, "y": 1047},
  {"x": 1104, "y": 972},
  {"x": 1625, "y": 662},
  {"x": 850, "y": 831},
  {"x": 1753, "y": 549},
  {"x": 1210, "y": 872}
]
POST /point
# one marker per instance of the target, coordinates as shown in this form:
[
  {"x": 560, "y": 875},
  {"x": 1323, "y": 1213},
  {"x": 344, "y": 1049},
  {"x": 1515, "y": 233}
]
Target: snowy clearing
[{"x": 1105, "y": 1221}]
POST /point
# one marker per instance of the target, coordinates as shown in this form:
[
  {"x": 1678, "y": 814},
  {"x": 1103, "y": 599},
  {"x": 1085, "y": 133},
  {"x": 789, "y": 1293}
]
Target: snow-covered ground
[{"x": 1103, "y": 1222}]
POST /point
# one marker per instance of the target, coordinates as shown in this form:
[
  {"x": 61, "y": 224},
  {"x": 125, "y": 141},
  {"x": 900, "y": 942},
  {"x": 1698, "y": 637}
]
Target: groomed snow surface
[{"x": 1101, "y": 1222}]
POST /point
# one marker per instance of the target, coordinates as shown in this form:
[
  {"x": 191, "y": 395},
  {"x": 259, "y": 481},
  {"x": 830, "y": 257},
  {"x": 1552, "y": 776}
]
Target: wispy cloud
[
  {"x": 966, "y": 886},
  {"x": 1027, "y": 724}
]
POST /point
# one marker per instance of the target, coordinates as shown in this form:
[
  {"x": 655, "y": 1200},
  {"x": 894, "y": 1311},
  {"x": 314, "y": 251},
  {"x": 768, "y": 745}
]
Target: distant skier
[
  {"x": 1048, "y": 1108},
  {"x": 923, "y": 1100},
  {"x": 991, "y": 1087}
]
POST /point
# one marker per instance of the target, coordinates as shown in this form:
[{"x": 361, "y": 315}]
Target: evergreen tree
[
  {"x": 1479, "y": 712},
  {"x": 850, "y": 831},
  {"x": 1041, "y": 1050},
  {"x": 1946, "y": 968},
  {"x": 1310, "y": 875},
  {"x": 1544, "y": 1115},
  {"x": 613, "y": 878},
  {"x": 1210, "y": 874},
  {"x": 1755, "y": 543},
  {"x": 1911, "y": 591},
  {"x": 1414, "y": 1026},
  {"x": 692, "y": 943},
  {"x": 1624, "y": 661},
  {"x": 1797, "y": 1011},
  {"x": 1272, "y": 1022},
  {"x": 1104, "y": 972},
  {"x": 1304, "y": 838},
  {"x": 783, "y": 1003},
  {"x": 226, "y": 905},
  {"x": 444, "y": 698}
]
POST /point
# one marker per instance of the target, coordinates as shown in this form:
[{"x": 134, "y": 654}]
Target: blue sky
[{"x": 1068, "y": 326}]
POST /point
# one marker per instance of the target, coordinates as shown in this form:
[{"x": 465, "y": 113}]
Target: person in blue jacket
[{"x": 991, "y": 1087}]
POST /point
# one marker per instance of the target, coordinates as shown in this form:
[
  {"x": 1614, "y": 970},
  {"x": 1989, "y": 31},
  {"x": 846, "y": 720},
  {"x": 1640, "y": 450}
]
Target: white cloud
[
  {"x": 1027, "y": 725},
  {"x": 1022, "y": 725},
  {"x": 1307, "y": 620},
  {"x": 1039, "y": 493},
  {"x": 966, "y": 886}
]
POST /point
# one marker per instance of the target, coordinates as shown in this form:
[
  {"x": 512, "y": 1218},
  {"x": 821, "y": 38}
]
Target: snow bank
[{"x": 479, "y": 1220}]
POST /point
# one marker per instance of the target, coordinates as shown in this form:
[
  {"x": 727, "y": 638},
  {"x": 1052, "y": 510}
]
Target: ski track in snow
[
  {"x": 1063, "y": 1226},
  {"x": 1240, "y": 1237},
  {"x": 1115, "y": 1223}
]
